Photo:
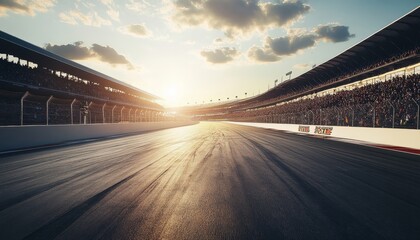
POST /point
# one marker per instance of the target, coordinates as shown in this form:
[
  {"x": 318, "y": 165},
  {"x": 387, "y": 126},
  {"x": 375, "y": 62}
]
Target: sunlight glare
[{"x": 171, "y": 95}]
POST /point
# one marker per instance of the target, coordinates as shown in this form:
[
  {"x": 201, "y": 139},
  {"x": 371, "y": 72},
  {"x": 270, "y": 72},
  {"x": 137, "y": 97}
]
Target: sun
[{"x": 171, "y": 95}]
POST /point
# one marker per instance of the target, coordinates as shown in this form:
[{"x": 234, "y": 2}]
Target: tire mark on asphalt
[
  {"x": 344, "y": 222},
  {"x": 53, "y": 228}
]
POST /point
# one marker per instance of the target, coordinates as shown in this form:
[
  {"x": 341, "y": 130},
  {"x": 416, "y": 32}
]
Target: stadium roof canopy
[
  {"x": 17, "y": 47},
  {"x": 394, "y": 39}
]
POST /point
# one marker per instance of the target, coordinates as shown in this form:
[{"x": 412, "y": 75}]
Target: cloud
[
  {"x": 297, "y": 40},
  {"x": 285, "y": 12},
  {"x": 111, "y": 10},
  {"x": 25, "y": 7},
  {"x": 75, "y": 17},
  {"x": 113, "y": 14},
  {"x": 218, "y": 41},
  {"x": 138, "y": 6},
  {"x": 83, "y": 14},
  {"x": 291, "y": 44},
  {"x": 77, "y": 51},
  {"x": 334, "y": 33},
  {"x": 220, "y": 55},
  {"x": 302, "y": 66},
  {"x": 237, "y": 16},
  {"x": 137, "y": 30},
  {"x": 261, "y": 55},
  {"x": 275, "y": 48},
  {"x": 109, "y": 55}
]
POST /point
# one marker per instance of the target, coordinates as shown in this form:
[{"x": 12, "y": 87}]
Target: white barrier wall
[
  {"x": 19, "y": 137},
  {"x": 409, "y": 138}
]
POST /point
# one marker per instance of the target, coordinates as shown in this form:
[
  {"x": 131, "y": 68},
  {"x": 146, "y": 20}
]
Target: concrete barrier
[
  {"x": 409, "y": 138},
  {"x": 21, "y": 137}
]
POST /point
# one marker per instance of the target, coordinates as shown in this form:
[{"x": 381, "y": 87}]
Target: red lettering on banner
[
  {"x": 303, "y": 129},
  {"x": 323, "y": 130}
]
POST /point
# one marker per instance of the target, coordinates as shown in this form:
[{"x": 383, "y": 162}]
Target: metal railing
[{"x": 383, "y": 114}]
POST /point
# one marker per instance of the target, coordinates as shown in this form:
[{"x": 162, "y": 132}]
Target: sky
[{"x": 199, "y": 51}]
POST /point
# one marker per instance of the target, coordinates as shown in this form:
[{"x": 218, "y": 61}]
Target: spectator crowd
[
  {"x": 287, "y": 93},
  {"x": 391, "y": 103},
  {"x": 44, "y": 78},
  {"x": 15, "y": 79}
]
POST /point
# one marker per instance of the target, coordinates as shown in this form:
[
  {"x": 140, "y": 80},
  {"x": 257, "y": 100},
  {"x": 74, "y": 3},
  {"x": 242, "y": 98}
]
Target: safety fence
[
  {"x": 385, "y": 114},
  {"x": 26, "y": 108}
]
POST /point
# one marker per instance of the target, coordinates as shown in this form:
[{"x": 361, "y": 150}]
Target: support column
[
  {"x": 129, "y": 115},
  {"x": 121, "y": 114},
  {"x": 103, "y": 113},
  {"x": 21, "y": 106},
  {"x": 112, "y": 114},
  {"x": 393, "y": 114},
  {"x": 46, "y": 113},
  {"x": 418, "y": 112},
  {"x": 135, "y": 115},
  {"x": 374, "y": 115},
  {"x": 320, "y": 117},
  {"x": 90, "y": 113},
  {"x": 71, "y": 110}
]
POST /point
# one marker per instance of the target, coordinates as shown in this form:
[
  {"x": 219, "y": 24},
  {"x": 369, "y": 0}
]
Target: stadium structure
[
  {"x": 372, "y": 84},
  {"x": 344, "y": 165},
  {"x": 38, "y": 87},
  {"x": 375, "y": 83}
]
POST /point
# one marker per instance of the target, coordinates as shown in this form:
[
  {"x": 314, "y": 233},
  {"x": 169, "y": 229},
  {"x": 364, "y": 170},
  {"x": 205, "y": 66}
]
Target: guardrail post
[
  {"x": 374, "y": 113},
  {"x": 103, "y": 113},
  {"x": 374, "y": 116},
  {"x": 313, "y": 117},
  {"x": 338, "y": 115},
  {"x": 90, "y": 113},
  {"x": 418, "y": 112},
  {"x": 21, "y": 106},
  {"x": 71, "y": 110},
  {"x": 320, "y": 116},
  {"x": 112, "y": 114},
  {"x": 121, "y": 116},
  {"x": 393, "y": 113},
  {"x": 304, "y": 115},
  {"x": 46, "y": 112}
]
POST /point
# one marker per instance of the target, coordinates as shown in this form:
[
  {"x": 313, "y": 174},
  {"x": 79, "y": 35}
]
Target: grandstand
[
  {"x": 38, "y": 87},
  {"x": 375, "y": 83}
]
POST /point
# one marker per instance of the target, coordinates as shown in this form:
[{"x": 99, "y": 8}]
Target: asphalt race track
[{"x": 210, "y": 181}]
